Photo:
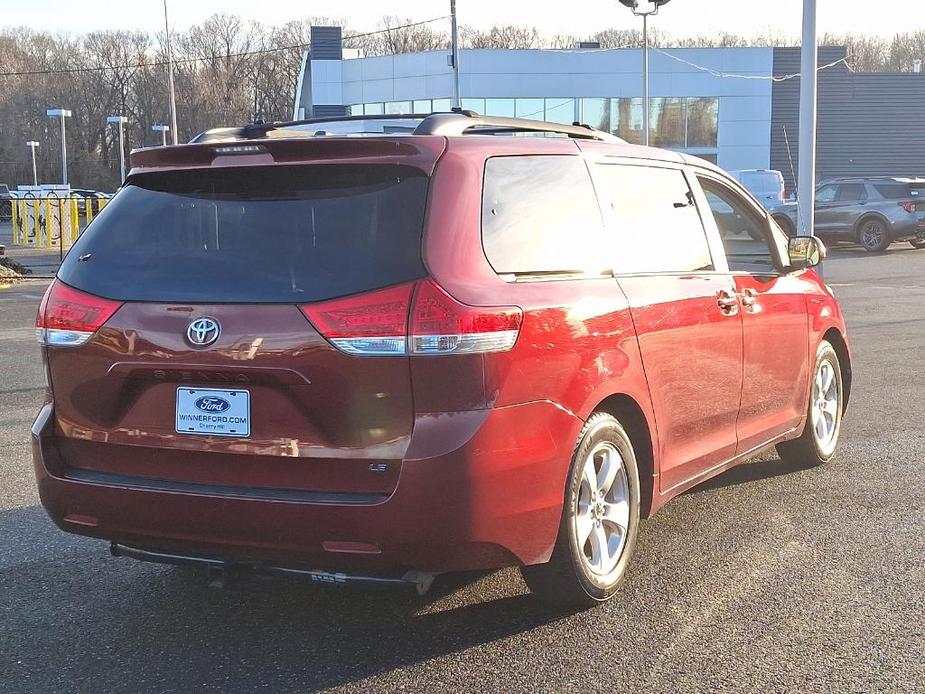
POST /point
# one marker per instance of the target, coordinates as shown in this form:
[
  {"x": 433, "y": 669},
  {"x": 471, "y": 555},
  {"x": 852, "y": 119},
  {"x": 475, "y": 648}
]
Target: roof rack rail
[
  {"x": 456, "y": 122},
  {"x": 459, "y": 122}
]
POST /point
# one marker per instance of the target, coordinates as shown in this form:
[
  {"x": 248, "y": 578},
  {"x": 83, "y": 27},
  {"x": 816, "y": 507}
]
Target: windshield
[{"x": 274, "y": 234}]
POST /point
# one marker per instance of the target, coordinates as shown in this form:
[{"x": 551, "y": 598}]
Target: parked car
[
  {"x": 873, "y": 212},
  {"x": 767, "y": 185},
  {"x": 84, "y": 195},
  {"x": 381, "y": 358}
]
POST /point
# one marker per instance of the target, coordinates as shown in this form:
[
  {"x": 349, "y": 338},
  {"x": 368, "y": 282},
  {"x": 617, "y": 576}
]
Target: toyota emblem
[{"x": 202, "y": 332}]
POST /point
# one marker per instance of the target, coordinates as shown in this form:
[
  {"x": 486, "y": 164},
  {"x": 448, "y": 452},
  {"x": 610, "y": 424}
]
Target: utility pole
[
  {"x": 173, "y": 95},
  {"x": 809, "y": 64},
  {"x": 645, "y": 78},
  {"x": 120, "y": 120},
  {"x": 32, "y": 144},
  {"x": 454, "y": 55}
]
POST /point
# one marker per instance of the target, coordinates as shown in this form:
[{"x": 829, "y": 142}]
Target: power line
[
  {"x": 719, "y": 73},
  {"x": 163, "y": 63}
]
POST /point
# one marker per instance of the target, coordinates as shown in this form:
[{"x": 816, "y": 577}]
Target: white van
[{"x": 765, "y": 184}]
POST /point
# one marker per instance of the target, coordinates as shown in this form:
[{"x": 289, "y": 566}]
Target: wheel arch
[
  {"x": 872, "y": 215},
  {"x": 631, "y": 415},
  {"x": 834, "y": 337}
]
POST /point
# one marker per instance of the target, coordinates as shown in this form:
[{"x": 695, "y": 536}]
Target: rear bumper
[
  {"x": 907, "y": 230},
  {"x": 477, "y": 490}
]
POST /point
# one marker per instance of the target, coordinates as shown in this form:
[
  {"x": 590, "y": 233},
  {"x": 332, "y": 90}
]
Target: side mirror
[{"x": 805, "y": 252}]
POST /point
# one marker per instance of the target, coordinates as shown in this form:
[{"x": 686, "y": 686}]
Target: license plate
[{"x": 213, "y": 411}]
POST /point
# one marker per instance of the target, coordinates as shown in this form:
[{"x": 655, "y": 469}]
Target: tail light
[
  {"x": 908, "y": 206},
  {"x": 68, "y": 317},
  {"x": 415, "y": 318},
  {"x": 442, "y": 325},
  {"x": 370, "y": 324}
]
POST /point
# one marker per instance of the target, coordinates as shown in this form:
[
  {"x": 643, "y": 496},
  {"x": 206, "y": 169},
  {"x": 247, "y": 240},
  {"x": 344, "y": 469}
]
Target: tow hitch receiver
[{"x": 221, "y": 570}]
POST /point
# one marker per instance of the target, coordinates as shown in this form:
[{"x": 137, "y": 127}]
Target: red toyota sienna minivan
[{"x": 383, "y": 357}]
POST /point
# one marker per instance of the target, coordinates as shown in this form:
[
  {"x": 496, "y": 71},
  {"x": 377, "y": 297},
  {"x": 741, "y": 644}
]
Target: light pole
[
  {"x": 121, "y": 121},
  {"x": 806, "y": 198},
  {"x": 61, "y": 113},
  {"x": 173, "y": 95},
  {"x": 653, "y": 6},
  {"x": 162, "y": 129},
  {"x": 32, "y": 144}
]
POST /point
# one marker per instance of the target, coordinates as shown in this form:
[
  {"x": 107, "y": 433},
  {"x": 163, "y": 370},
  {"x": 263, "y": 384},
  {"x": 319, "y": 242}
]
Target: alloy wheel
[
  {"x": 825, "y": 408},
  {"x": 603, "y": 509},
  {"x": 872, "y": 235}
]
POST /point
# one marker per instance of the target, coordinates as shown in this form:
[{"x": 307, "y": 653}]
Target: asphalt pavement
[{"x": 767, "y": 578}]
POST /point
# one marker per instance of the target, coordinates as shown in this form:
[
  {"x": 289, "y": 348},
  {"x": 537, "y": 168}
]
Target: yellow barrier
[
  {"x": 51, "y": 221},
  {"x": 14, "y": 219}
]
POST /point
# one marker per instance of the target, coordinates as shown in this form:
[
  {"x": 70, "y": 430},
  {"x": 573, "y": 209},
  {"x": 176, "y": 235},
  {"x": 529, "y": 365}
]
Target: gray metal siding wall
[
  {"x": 327, "y": 43},
  {"x": 869, "y": 124}
]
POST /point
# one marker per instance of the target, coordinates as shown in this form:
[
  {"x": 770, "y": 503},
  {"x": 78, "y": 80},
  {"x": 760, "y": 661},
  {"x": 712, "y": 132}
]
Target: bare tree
[{"x": 501, "y": 36}]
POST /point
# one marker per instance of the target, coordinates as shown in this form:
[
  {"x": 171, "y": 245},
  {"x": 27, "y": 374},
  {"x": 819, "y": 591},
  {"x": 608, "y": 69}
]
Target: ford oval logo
[
  {"x": 202, "y": 332},
  {"x": 212, "y": 403}
]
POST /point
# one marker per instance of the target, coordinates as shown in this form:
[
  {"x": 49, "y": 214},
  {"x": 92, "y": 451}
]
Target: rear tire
[
  {"x": 599, "y": 523},
  {"x": 819, "y": 439},
  {"x": 873, "y": 235},
  {"x": 915, "y": 243}
]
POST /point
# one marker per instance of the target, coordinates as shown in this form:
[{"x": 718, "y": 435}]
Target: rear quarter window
[{"x": 540, "y": 215}]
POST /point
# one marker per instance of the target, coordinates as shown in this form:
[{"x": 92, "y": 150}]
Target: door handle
[
  {"x": 727, "y": 301},
  {"x": 749, "y": 299}
]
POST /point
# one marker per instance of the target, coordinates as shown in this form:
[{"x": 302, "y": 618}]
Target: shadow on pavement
[
  {"x": 89, "y": 622},
  {"x": 761, "y": 469}
]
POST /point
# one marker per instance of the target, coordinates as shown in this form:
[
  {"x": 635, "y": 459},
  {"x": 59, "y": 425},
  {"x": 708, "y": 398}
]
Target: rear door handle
[{"x": 728, "y": 302}]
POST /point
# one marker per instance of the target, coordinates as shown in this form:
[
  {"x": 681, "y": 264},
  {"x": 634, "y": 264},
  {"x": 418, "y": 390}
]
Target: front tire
[
  {"x": 819, "y": 440},
  {"x": 874, "y": 235},
  {"x": 600, "y": 520}
]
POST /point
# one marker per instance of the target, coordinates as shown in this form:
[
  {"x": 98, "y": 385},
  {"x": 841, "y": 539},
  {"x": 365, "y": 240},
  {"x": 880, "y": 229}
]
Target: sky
[{"x": 680, "y": 17}]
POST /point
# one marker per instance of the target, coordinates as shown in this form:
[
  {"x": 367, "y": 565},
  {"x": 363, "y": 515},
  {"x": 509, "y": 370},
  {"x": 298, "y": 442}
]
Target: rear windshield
[
  {"x": 761, "y": 182},
  {"x": 274, "y": 234}
]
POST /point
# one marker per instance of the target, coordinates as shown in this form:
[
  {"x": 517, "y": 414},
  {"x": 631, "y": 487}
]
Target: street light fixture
[
  {"x": 121, "y": 121},
  {"x": 162, "y": 129},
  {"x": 61, "y": 113},
  {"x": 653, "y": 8},
  {"x": 32, "y": 144}
]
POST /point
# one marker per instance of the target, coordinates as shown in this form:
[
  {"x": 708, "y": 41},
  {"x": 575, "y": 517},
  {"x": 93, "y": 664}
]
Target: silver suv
[{"x": 873, "y": 212}]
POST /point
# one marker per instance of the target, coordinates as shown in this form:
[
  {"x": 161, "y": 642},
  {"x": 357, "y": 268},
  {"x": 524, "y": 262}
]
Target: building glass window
[
  {"x": 530, "y": 108},
  {"x": 626, "y": 119},
  {"x": 560, "y": 111},
  {"x": 499, "y": 107},
  {"x": 596, "y": 113},
  {"x": 372, "y": 109},
  {"x": 702, "y": 122},
  {"x": 422, "y": 106},
  {"x": 398, "y": 107},
  {"x": 441, "y": 105},
  {"x": 666, "y": 122},
  {"x": 477, "y": 105}
]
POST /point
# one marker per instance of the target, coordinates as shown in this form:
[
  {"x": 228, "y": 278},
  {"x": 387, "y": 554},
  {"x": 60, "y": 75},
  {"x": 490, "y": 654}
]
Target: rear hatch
[{"x": 208, "y": 370}]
